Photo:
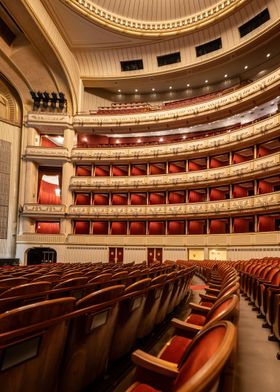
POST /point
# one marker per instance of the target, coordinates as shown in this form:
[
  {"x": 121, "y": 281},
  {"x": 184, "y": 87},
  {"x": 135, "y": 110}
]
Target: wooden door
[
  {"x": 154, "y": 255},
  {"x": 115, "y": 255}
]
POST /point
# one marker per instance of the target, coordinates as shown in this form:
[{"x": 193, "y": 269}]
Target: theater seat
[
  {"x": 32, "y": 340},
  {"x": 89, "y": 338},
  {"x": 71, "y": 282},
  {"x": 29, "y": 288},
  {"x": 207, "y": 365},
  {"x": 129, "y": 317}
]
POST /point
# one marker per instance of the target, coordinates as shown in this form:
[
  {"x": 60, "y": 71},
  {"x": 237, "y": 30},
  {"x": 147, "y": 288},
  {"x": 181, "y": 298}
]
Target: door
[
  {"x": 115, "y": 255},
  {"x": 154, "y": 255}
]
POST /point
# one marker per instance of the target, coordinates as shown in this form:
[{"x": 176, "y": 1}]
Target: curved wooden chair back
[
  {"x": 71, "y": 282},
  {"x": 101, "y": 278},
  {"x": 140, "y": 285},
  {"x": 100, "y": 296},
  {"x": 12, "y": 282},
  {"x": 28, "y": 288}
]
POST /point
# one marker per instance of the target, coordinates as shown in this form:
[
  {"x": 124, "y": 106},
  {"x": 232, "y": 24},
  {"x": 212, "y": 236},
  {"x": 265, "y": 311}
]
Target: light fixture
[
  {"x": 188, "y": 85},
  {"x": 170, "y": 87},
  {"x": 119, "y": 91},
  {"x": 139, "y": 140},
  {"x": 117, "y": 141},
  {"x": 136, "y": 90},
  {"x": 268, "y": 55},
  {"x": 153, "y": 89},
  {"x": 246, "y": 67},
  {"x": 184, "y": 137},
  {"x": 206, "y": 81},
  {"x": 161, "y": 139},
  {"x": 226, "y": 75}
]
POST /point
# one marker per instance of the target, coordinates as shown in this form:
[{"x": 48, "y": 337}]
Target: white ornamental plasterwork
[
  {"x": 153, "y": 28},
  {"x": 48, "y": 119},
  {"x": 44, "y": 209},
  {"x": 45, "y": 152},
  {"x": 241, "y": 171},
  {"x": 181, "y": 150},
  {"x": 244, "y": 205}
]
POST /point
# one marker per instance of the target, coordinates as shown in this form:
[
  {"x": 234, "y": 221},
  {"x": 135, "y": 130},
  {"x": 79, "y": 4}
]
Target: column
[
  {"x": 31, "y": 183},
  {"x": 67, "y": 173}
]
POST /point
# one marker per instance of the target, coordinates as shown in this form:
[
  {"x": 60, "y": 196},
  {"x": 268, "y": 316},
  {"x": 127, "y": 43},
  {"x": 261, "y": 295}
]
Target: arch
[
  {"x": 10, "y": 107},
  {"x": 40, "y": 255}
]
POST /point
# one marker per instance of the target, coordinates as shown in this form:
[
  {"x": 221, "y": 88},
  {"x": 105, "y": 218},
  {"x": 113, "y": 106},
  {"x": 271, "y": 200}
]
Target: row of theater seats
[
  {"x": 23, "y": 285},
  {"x": 201, "y": 354},
  {"x": 68, "y": 343},
  {"x": 260, "y": 284}
]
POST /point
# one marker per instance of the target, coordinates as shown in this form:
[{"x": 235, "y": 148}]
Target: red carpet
[{"x": 198, "y": 286}]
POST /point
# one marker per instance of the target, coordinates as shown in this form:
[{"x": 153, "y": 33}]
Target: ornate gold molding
[
  {"x": 245, "y": 205},
  {"x": 181, "y": 150},
  {"x": 46, "y": 153},
  {"x": 242, "y": 171},
  {"x": 44, "y": 210},
  {"x": 153, "y": 29}
]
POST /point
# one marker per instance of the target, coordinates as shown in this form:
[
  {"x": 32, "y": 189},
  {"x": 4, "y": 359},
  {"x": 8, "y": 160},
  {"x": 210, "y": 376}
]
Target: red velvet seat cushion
[
  {"x": 208, "y": 304},
  {"x": 197, "y": 319},
  {"x": 175, "y": 349},
  {"x": 144, "y": 388}
]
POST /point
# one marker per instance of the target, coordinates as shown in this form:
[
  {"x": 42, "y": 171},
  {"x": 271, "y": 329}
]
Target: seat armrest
[
  {"x": 208, "y": 297},
  {"x": 213, "y": 291},
  {"x": 199, "y": 308},
  {"x": 214, "y": 286},
  {"x": 154, "y": 364},
  {"x": 186, "y": 329}
]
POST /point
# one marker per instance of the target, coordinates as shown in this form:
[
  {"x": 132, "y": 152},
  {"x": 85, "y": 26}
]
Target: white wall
[{"x": 11, "y": 133}]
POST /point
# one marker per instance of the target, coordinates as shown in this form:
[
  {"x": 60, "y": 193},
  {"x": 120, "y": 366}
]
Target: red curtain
[
  {"x": 138, "y": 171},
  {"x": 196, "y": 227},
  {"x": 155, "y": 169},
  {"x": 241, "y": 225},
  {"x": 82, "y": 199},
  {"x": 194, "y": 166},
  {"x": 266, "y": 223},
  {"x": 216, "y": 163},
  {"x": 217, "y": 226},
  {"x": 265, "y": 187},
  {"x": 119, "y": 199},
  {"x": 174, "y": 168},
  {"x": 83, "y": 171},
  {"x": 263, "y": 151},
  {"x": 46, "y": 142},
  {"x": 176, "y": 197},
  {"x": 137, "y": 199},
  {"x": 119, "y": 171},
  {"x": 195, "y": 197},
  {"x": 217, "y": 194},
  {"x": 237, "y": 158},
  {"x": 82, "y": 227},
  {"x": 47, "y": 193},
  {"x": 156, "y": 228},
  {"x": 47, "y": 227},
  {"x": 239, "y": 191},
  {"x": 157, "y": 198},
  {"x": 138, "y": 228},
  {"x": 176, "y": 227},
  {"x": 101, "y": 171},
  {"x": 118, "y": 228},
  {"x": 100, "y": 228},
  {"x": 100, "y": 199}
]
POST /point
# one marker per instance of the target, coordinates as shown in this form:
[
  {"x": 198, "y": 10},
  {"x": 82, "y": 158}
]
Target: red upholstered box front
[
  {"x": 138, "y": 228},
  {"x": 118, "y": 228},
  {"x": 100, "y": 228}
]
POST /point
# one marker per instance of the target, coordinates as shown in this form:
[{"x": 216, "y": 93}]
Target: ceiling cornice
[{"x": 153, "y": 29}]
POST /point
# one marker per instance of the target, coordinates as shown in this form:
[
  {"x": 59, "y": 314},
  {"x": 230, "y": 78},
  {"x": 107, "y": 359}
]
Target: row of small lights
[
  {"x": 206, "y": 80},
  {"x": 161, "y": 139}
]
